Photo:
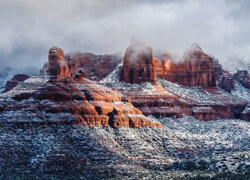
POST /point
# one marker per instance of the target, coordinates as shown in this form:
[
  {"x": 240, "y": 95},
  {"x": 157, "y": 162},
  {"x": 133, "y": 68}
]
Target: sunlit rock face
[
  {"x": 57, "y": 66},
  {"x": 138, "y": 66},
  {"x": 196, "y": 69}
]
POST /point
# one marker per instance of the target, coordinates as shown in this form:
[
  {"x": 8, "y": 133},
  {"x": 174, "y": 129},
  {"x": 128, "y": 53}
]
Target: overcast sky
[{"x": 30, "y": 27}]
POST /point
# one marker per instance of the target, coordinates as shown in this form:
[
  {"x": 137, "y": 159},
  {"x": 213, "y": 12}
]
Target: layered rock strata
[
  {"x": 196, "y": 69},
  {"x": 138, "y": 64},
  {"x": 60, "y": 99}
]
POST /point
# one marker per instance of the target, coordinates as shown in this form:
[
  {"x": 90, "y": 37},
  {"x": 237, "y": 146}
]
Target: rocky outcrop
[
  {"x": 138, "y": 64},
  {"x": 57, "y": 66},
  {"x": 95, "y": 67},
  {"x": 243, "y": 77},
  {"x": 197, "y": 69},
  {"x": 59, "y": 99},
  {"x": 15, "y": 80},
  {"x": 224, "y": 79},
  {"x": 226, "y": 82}
]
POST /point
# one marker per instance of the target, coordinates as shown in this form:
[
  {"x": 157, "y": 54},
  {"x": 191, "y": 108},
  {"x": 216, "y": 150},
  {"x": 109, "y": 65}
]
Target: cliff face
[
  {"x": 95, "y": 67},
  {"x": 61, "y": 99},
  {"x": 138, "y": 65},
  {"x": 197, "y": 69}
]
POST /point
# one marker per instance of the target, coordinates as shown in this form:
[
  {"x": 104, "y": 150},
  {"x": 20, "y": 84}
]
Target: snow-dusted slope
[
  {"x": 241, "y": 92},
  {"x": 182, "y": 148},
  {"x": 201, "y": 95},
  {"x": 232, "y": 65},
  {"x": 113, "y": 77},
  {"x": 4, "y": 77}
]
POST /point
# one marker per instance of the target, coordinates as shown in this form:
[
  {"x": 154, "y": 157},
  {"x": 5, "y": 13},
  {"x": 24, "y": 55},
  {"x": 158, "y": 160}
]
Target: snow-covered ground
[
  {"x": 182, "y": 148},
  {"x": 241, "y": 92},
  {"x": 29, "y": 85},
  {"x": 233, "y": 64}
]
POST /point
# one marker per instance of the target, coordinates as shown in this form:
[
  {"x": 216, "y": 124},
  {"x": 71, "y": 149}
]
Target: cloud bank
[{"x": 29, "y": 28}]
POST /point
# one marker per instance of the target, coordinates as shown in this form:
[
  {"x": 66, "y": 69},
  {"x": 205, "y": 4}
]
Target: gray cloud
[{"x": 29, "y": 28}]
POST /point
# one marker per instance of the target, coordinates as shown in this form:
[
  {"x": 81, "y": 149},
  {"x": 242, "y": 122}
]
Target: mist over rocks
[
  {"x": 103, "y": 107},
  {"x": 196, "y": 69},
  {"x": 59, "y": 124},
  {"x": 138, "y": 64}
]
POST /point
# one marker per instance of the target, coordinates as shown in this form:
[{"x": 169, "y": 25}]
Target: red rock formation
[
  {"x": 57, "y": 65},
  {"x": 243, "y": 77},
  {"x": 15, "y": 80},
  {"x": 63, "y": 100},
  {"x": 138, "y": 65},
  {"x": 196, "y": 70},
  {"x": 95, "y": 67}
]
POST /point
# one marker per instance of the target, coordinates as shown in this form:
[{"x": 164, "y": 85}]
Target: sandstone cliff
[
  {"x": 138, "y": 64},
  {"x": 197, "y": 69}
]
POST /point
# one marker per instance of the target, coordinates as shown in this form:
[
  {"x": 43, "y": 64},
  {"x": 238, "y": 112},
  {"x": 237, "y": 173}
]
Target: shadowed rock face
[
  {"x": 57, "y": 66},
  {"x": 95, "y": 67},
  {"x": 138, "y": 65},
  {"x": 224, "y": 78},
  {"x": 204, "y": 113},
  {"x": 243, "y": 78},
  {"x": 15, "y": 80}
]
